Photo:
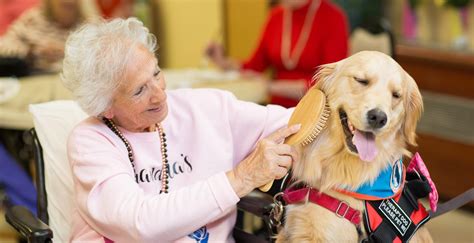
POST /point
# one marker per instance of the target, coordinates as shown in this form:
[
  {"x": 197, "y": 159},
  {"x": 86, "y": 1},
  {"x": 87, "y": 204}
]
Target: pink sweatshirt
[{"x": 208, "y": 132}]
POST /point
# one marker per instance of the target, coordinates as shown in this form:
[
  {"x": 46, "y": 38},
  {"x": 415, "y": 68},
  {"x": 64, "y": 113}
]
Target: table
[{"x": 38, "y": 89}]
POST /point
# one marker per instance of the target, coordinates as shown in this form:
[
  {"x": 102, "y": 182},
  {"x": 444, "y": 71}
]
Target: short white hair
[{"x": 95, "y": 58}]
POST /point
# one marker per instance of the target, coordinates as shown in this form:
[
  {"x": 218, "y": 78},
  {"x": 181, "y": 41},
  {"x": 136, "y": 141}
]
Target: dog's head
[
  {"x": 375, "y": 106},
  {"x": 377, "y": 102}
]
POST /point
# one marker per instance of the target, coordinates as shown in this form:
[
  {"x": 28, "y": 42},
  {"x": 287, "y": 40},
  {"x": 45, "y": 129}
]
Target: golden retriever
[{"x": 371, "y": 96}]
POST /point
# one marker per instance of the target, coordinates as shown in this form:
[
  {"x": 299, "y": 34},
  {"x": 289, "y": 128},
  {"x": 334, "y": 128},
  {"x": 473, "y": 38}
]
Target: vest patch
[{"x": 395, "y": 215}]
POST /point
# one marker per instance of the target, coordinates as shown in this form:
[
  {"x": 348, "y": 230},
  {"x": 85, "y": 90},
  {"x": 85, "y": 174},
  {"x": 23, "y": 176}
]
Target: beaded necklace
[
  {"x": 164, "y": 157},
  {"x": 290, "y": 60}
]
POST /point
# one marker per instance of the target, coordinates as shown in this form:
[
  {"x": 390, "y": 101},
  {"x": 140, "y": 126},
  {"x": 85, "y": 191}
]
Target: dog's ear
[
  {"x": 413, "y": 109},
  {"x": 323, "y": 75}
]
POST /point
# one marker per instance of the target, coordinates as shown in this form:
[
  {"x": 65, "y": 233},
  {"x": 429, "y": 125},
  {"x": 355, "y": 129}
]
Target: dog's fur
[{"x": 328, "y": 162}]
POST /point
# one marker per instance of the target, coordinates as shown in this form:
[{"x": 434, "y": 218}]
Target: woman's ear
[
  {"x": 413, "y": 103},
  {"x": 108, "y": 113}
]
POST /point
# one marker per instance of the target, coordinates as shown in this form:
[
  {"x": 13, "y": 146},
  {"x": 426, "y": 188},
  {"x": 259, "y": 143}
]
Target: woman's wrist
[{"x": 238, "y": 183}]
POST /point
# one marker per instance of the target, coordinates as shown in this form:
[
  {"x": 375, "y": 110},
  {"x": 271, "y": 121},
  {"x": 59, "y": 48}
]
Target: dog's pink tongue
[{"x": 365, "y": 144}]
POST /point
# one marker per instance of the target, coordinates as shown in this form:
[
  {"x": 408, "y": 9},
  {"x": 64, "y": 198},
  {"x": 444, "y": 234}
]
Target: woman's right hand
[
  {"x": 215, "y": 52},
  {"x": 51, "y": 51},
  {"x": 270, "y": 160}
]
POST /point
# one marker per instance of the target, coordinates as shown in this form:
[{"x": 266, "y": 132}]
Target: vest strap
[{"x": 340, "y": 208}]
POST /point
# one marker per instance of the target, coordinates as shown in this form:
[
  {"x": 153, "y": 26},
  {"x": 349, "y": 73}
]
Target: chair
[
  {"x": 53, "y": 122},
  {"x": 377, "y": 36}
]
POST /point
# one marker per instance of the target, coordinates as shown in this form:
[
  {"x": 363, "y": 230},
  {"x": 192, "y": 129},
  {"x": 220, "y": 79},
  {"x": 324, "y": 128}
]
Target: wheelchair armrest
[
  {"x": 28, "y": 225},
  {"x": 255, "y": 203}
]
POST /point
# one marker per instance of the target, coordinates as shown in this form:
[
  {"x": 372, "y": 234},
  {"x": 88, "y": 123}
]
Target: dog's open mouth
[{"x": 359, "y": 142}]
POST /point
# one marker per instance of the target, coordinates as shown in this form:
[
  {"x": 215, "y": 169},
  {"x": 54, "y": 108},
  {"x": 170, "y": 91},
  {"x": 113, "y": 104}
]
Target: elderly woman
[{"x": 158, "y": 166}]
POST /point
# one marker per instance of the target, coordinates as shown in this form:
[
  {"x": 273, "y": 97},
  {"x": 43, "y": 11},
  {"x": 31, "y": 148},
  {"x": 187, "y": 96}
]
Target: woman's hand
[
  {"x": 270, "y": 160},
  {"x": 51, "y": 51},
  {"x": 215, "y": 52}
]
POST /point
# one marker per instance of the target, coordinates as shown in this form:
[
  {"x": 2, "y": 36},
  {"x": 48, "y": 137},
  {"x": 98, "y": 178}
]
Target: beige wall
[
  {"x": 184, "y": 29},
  {"x": 244, "y": 23}
]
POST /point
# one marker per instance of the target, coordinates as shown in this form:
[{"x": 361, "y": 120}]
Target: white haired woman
[{"x": 159, "y": 166}]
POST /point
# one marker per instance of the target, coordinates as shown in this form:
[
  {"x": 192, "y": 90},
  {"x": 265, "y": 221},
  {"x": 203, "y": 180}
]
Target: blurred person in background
[
  {"x": 115, "y": 8},
  {"x": 37, "y": 37},
  {"x": 35, "y": 41},
  {"x": 299, "y": 35},
  {"x": 12, "y": 9},
  {"x": 15, "y": 183}
]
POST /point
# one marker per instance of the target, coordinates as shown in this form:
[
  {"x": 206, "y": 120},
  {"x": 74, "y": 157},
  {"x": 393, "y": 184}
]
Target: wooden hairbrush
[{"x": 312, "y": 112}]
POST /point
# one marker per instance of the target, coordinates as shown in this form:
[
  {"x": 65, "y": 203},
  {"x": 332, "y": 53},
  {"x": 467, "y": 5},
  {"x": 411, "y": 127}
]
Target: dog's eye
[
  {"x": 396, "y": 95},
  {"x": 362, "y": 81}
]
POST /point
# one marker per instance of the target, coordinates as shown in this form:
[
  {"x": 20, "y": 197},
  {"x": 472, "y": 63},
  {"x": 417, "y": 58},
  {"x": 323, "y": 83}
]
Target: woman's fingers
[
  {"x": 270, "y": 160},
  {"x": 287, "y": 154},
  {"x": 280, "y": 173},
  {"x": 282, "y": 133},
  {"x": 285, "y": 149},
  {"x": 285, "y": 161}
]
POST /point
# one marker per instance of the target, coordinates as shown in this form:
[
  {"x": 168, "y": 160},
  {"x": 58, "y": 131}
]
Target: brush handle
[
  {"x": 312, "y": 113},
  {"x": 266, "y": 187}
]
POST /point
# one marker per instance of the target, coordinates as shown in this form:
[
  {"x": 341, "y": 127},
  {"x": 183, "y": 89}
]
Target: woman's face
[
  {"x": 140, "y": 101},
  {"x": 65, "y": 12}
]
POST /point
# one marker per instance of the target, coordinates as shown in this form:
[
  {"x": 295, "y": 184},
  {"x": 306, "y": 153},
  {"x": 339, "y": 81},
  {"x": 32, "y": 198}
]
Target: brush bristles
[{"x": 319, "y": 126}]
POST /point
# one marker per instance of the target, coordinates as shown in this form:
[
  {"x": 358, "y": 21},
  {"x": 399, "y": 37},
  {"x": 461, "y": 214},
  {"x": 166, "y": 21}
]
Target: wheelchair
[{"x": 53, "y": 122}]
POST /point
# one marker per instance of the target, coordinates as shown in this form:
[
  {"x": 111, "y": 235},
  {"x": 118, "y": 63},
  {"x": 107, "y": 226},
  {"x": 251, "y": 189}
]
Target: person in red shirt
[
  {"x": 299, "y": 36},
  {"x": 110, "y": 9}
]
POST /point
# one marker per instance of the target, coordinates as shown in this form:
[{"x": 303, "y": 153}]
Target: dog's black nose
[{"x": 377, "y": 118}]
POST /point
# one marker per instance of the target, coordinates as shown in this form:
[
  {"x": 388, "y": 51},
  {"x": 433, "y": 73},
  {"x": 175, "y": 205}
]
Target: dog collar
[{"x": 388, "y": 184}]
